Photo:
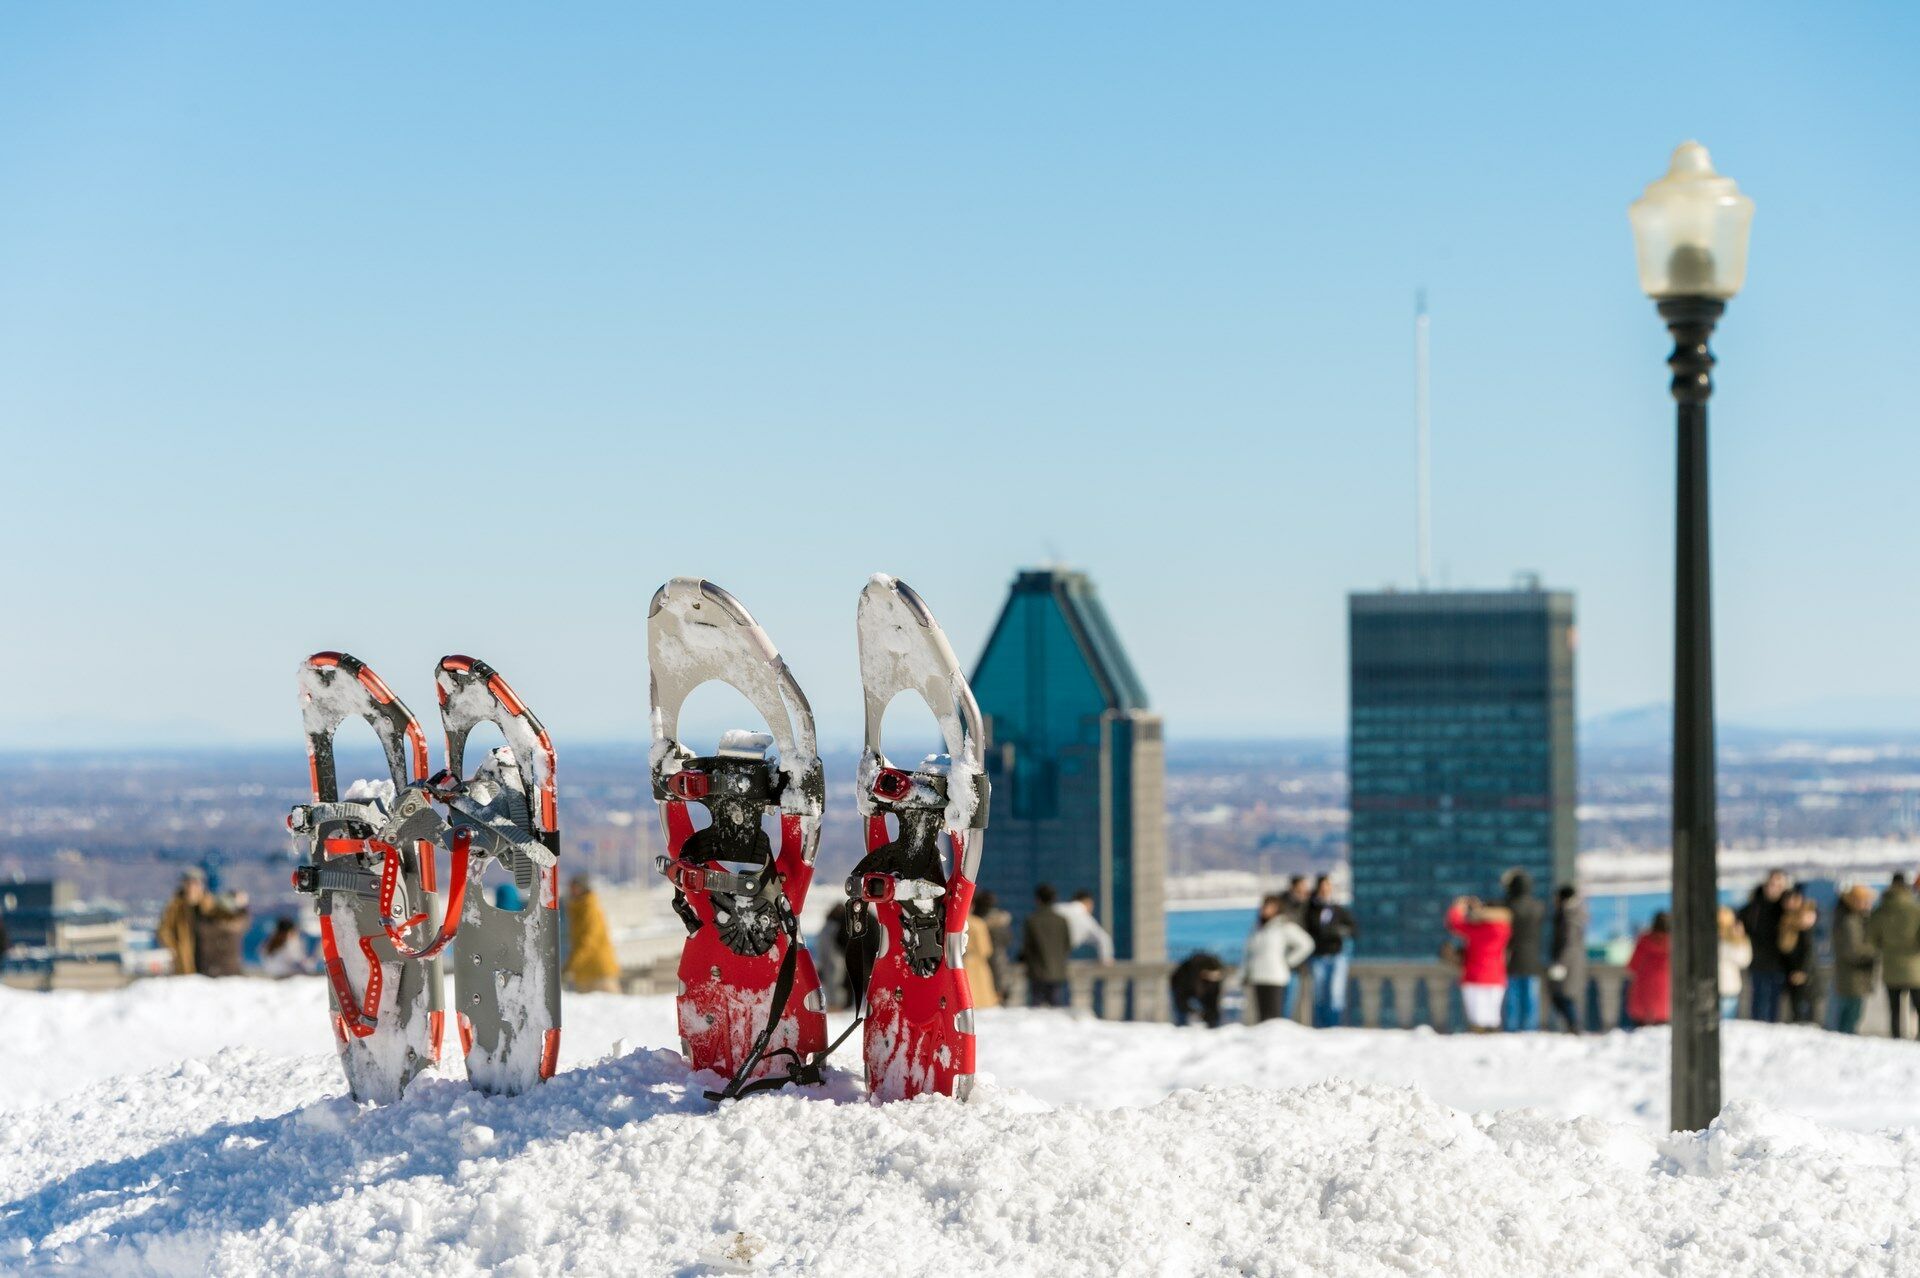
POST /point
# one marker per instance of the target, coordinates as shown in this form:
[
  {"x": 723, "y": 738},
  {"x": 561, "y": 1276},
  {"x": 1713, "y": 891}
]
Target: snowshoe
[
  {"x": 387, "y": 1010},
  {"x": 750, "y": 1005},
  {"x": 908, "y": 905},
  {"x": 371, "y": 864},
  {"x": 506, "y": 977}
]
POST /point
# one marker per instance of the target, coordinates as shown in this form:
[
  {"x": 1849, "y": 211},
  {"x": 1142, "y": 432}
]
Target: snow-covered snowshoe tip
[
  {"x": 908, "y": 906},
  {"x": 750, "y": 1006}
]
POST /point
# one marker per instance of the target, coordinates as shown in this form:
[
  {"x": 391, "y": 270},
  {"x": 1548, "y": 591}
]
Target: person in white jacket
[
  {"x": 1276, "y": 946},
  {"x": 1083, "y": 928}
]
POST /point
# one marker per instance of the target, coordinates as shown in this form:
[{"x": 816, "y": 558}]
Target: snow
[
  {"x": 195, "y": 1126},
  {"x": 368, "y": 790}
]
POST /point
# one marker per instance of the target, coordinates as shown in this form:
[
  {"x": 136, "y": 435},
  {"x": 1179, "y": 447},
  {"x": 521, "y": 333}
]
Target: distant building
[
  {"x": 1460, "y": 754},
  {"x": 56, "y": 940},
  {"x": 1077, "y": 762}
]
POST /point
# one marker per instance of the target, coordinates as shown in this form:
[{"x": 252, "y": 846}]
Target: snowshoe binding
[
  {"x": 750, "y": 1005},
  {"x": 908, "y": 905}
]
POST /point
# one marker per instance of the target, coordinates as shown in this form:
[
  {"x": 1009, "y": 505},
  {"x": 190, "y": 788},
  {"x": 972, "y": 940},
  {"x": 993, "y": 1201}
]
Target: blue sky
[{"x": 436, "y": 328}]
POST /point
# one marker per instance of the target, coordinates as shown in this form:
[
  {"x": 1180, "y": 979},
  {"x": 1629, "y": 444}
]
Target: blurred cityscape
[{"x": 122, "y": 827}]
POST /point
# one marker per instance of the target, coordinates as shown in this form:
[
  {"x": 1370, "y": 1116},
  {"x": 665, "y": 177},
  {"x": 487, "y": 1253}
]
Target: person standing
[
  {"x": 1650, "y": 974},
  {"x": 1894, "y": 930},
  {"x": 1567, "y": 976},
  {"x": 592, "y": 967},
  {"x": 175, "y": 929},
  {"x": 1275, "y": 948},
  {"x": 830, "y": 956},
  {"x": 1484, "y": 932},
  {"x": 979, "y": 960},
  {"x": 1798, "y": 918},
  {"x": 1525, "y": 964},
  {"x": 1768, "y": 971},
  {"x": 1000, "y": 930},
  {"x": 219, "y": 928},
  {"x": 1044, "y": 948},
  {"x": 1853, "y": 958},
  {"x": 1736, "y": 955},
  {"x": 1294, "y": 905},
  {"x": 1332, "y": 928}
]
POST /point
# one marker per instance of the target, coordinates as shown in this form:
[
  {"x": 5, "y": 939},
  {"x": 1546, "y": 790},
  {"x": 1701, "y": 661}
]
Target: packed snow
[{"x": 191, "y": 1126}]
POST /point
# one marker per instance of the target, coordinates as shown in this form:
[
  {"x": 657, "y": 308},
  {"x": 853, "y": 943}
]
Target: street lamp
[{"x": 1690, "y": 229}]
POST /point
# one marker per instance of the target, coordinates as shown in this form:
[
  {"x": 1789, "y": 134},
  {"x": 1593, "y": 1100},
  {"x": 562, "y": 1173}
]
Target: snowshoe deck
[
  {"x": 908, "y": 903},
  {"x": 750, "y": 1005},
  {"x": 506, "y": 981},
  {"x": 387, "y": 1011}
]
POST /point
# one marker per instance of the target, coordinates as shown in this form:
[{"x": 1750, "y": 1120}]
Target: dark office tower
[
  {"x": 1076, "y": 760},
  {"x": 1459, "y": 754}
]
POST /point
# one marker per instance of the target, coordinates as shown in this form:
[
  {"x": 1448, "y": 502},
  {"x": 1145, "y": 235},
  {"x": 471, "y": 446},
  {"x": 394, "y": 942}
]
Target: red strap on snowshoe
[
  {"x": 782, "y": 991},
  {"x": 356, "y": 1017}
]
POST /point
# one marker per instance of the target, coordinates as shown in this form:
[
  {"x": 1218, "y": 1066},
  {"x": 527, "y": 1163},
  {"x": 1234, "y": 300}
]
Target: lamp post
[{"x": 1690, "y": 229}]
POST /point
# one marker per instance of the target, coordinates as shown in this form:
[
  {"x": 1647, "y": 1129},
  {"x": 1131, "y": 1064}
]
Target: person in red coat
[
  {"x": 1650, "y": 972},
  {"x": 1483, "y": 931}
]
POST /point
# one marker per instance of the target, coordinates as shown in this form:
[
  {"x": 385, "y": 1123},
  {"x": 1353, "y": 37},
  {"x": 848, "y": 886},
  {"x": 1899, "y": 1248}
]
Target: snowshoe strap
[
  {"x": 357, "y": 1017},
  {"x": 801, "y": 1072},
  {"x": 782, "y": 991},
  {"x": 804, "y": 1073},
  {"x": 688, "y": 877}
]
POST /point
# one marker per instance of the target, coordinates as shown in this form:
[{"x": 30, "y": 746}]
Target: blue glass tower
[
  {"x": 1460, "y": 755},
  {"x": 1077, "y": 762}
]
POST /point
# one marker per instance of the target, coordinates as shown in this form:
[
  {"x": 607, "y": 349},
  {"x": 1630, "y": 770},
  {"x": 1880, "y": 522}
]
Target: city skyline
[{"x": 1125, "y": 292}]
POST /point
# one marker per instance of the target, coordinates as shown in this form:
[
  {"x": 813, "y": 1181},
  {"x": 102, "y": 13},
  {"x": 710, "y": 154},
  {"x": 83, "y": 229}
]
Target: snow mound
[
  {"x": 246, "y": 1165},
  {"x": 227, "y": 1148}
]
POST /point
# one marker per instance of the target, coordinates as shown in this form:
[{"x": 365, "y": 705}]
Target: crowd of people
[
  {"x": 205, "y": 933},
  {"x": 204, "y": 930},
  {"x": 1521, "y": 964},
  {"x": 1052, "y": 935},
  {"x": 1774, "y": 940},
  {"x": 1769, "y": 954}
]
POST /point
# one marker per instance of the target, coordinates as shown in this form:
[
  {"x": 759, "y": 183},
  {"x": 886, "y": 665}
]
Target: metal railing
[{"x": 1381, "y": 995}]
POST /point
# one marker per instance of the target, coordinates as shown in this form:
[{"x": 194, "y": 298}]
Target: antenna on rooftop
[{"x": 1423, "y": 466}]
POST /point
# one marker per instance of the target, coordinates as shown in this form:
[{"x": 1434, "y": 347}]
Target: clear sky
[{"x": 428, "y": 328}]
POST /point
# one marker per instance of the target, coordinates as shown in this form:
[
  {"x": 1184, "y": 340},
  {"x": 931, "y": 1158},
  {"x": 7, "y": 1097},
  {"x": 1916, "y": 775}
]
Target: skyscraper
[
  {"x": 1460, "y": 754},
  {"x": 1076, "y": 761}
]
